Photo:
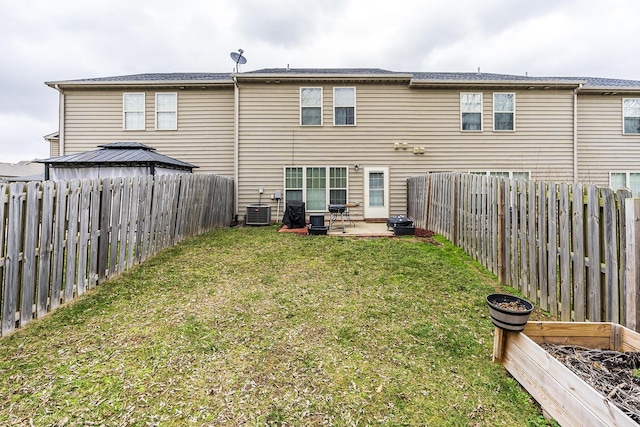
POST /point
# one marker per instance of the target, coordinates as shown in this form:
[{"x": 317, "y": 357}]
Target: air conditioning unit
[{"x": 258, "y": 215}]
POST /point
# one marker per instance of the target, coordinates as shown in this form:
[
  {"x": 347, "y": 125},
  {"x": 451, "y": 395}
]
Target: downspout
[
  {"x": 236, "y": 141},
  {"x": 61, "y": 109},
  {"x": 575, "y": 133}
]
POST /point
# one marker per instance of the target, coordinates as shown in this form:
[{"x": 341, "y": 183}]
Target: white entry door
[{"x": 376, "y": 192}]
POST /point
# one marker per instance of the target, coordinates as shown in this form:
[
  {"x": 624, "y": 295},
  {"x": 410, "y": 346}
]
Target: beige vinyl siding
[
  {"x": 204, "y": 137},
  {"x": 54, "y": 148},
  {"x": 272, "y": 138},
  {"x": 602, "y": 147}
]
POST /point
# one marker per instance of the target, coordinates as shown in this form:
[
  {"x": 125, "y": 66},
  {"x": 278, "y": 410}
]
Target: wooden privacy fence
[
  {"x": 59, "y": 239},
  {"x": 570, "y": 248}
]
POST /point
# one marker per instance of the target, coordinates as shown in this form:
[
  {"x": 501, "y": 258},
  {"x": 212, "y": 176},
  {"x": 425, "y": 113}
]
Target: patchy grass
[{"x": 247, "y": 326}]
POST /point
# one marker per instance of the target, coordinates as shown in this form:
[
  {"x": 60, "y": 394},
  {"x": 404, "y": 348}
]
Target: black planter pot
[{"x": 510, "y": 320}]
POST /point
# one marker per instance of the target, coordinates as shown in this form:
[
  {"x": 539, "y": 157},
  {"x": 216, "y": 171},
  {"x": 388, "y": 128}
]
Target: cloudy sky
[{"x": 50, "y": 40}]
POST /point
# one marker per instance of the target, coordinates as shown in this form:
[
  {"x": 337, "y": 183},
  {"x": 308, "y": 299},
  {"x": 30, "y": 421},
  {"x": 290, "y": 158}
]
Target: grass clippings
[{"x": 249, "y": 327}]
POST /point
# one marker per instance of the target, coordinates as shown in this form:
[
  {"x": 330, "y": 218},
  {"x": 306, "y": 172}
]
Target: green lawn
[{"x": 251, "y": 327}]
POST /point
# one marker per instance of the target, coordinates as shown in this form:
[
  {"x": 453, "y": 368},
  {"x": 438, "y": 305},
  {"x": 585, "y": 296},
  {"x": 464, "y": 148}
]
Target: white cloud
[{"x": 42, "y": 40}]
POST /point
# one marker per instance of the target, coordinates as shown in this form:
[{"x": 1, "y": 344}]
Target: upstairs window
[
  {"x": 166, "y": 111},
  {"x": 471, "y": 111},
  {"x": 504, "y": 108},
  {"x": 133, "y": 111},
  {"x": 344, "y": 106},
  {"x": 631, "y": 114},
  {"x": 311, "y": 106}
]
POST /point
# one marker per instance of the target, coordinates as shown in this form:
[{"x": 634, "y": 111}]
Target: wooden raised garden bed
[{"x": 561, "y": 394}]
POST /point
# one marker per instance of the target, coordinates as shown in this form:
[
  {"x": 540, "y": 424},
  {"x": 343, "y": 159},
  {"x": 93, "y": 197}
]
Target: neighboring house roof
[
  {"x": 118, "y": 153},
  {"x": 418, "y": 79},
  {"x": 13, "y": 170}
]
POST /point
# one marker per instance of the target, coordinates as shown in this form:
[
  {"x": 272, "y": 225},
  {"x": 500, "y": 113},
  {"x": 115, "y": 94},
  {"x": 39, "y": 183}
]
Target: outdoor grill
[{"x": 337, "y": 209}]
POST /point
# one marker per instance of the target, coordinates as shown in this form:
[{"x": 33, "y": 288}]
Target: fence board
[
  {"x": 114, "y": 227},
  {"x": 632, "y": 283},
  {"x": 565, "y": 254},
  {"x": 483, "y": 218},
  {"x": 515, "y": 251},
  {"x": 29, "y": 248},
  {"x": 96, "y": 191},
  {"x": 611, "y": 284},
  {"x": 494, "y": 229},
  {"x": 524, "y": 254},
  {"x": 123, "y": 237},
  {"x": 46, "y": 247},
  {"x": 12, "y": 263},
  {"x": 59, "y": 236},
  {"x": 146, "y": 238},
  {"x": 577, "y": 231},
  {"x": 103, "y": 240},
  {"x": 531, "y": 233},
  {"x": 552, "y": 247},
  {"x": 505, "y": 242},
  {"x": 624, "y": 244},
  {"x": 71, "y": 256},
  {"x": 543, "y": 283},
  {"x": 133, "y": 221},
  {"x": 4, "y": 208},
  {"x": 82, "y": 280},
  {"x": 593, "y": 253}
]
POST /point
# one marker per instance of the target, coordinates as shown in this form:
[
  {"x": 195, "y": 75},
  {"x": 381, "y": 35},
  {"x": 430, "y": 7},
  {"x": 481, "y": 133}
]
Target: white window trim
[
  {"x": 355, "y": 98},
  {"x": 321, "y": 104},
  {"x": 124, "y": 111},
  {"x": 304, "y": 183},
  {"x": 481, "y": 112},
  {"x": 624, "y": 117},
  {"x": 512, "y": 112},
  {"x": 166, "y": 111}
]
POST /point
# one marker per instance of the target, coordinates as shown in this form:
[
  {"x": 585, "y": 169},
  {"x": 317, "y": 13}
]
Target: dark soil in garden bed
[{"x": 614, "y": 374}]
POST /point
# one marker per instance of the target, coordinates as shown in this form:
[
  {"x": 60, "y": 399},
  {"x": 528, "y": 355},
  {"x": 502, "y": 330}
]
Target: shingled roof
[{"x": 415, "y": 78}]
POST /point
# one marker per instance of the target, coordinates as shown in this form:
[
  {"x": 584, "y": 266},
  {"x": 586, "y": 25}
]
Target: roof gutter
[
  {"x": 140, "y": 83},
  {"x": 524, "y": 84}
]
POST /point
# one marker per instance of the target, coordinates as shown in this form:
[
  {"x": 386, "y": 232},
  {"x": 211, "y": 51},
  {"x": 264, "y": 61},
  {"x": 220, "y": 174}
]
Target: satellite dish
[{"x": 238, "y": 58}]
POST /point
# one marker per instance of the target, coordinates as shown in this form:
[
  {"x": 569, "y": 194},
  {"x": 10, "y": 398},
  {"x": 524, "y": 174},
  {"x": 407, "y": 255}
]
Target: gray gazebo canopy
[{"x": 111, "y": 160}]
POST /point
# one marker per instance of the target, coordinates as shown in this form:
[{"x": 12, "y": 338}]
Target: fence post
[{"x": 632, "y": 297}]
